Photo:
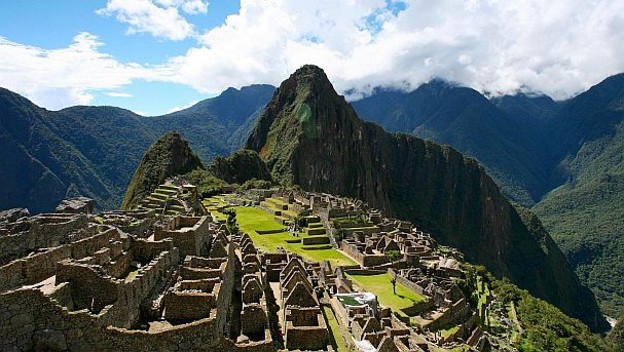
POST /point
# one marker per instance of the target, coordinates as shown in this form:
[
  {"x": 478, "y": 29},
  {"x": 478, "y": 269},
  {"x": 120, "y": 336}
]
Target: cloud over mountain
[{"x": 559, "y": 47}]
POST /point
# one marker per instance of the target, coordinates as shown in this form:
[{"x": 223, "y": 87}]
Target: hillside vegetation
[
  {"x": 564, "y": 159},
  {"x": 93, "y": 151}
]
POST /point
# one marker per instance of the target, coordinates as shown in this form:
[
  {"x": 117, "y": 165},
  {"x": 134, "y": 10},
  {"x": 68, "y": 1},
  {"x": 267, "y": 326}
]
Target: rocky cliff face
[
  {"x": 170, "y": 155},
  {"x": 310, "y": 136}
]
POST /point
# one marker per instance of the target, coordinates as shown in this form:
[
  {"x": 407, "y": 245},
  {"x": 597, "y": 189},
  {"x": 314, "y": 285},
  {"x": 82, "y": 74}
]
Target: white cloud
[
  {"x": 145, "y": 16},
  {"x": 62, "y": 77},
  {"x": 178, "y": 108},
  {"x": 558, "y": 47},
  {"x": 192, "y": 7},
  {"x": 119, "y": 94}
]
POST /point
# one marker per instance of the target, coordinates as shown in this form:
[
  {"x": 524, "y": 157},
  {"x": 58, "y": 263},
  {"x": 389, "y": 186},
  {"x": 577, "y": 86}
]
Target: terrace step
[
  {"x": 315, "y": 231},
  {"x": 312, "y": 240}
]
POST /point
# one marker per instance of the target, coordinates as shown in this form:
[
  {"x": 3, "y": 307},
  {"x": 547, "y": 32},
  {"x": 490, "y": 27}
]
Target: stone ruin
[
  {"x": 73, "y": 282},
  {"x": 76, "y": 205},
  {"x": 302, "y": 322},
  {"x": 158, "y": 278}
]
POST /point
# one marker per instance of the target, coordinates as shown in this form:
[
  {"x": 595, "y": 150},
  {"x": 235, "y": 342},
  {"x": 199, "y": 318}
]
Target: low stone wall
[
  {"x": 364, "y": 272},
  {"x": 188, "y": 305},
  {"x": 408, "y": 283},
  {"x": 42, "y": 231},
  {"x": 303, "y": 338},
  {"x": 269, "y": 232},
  {"x": 30, "y": 321},
  {"x": 311, "y": 240},
  {"x": 457, "y": 311},
  {"x": 418, "y": 308}
]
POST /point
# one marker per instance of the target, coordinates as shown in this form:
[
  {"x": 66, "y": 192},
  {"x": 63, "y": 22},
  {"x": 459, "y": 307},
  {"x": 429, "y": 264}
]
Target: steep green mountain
[
  {"x": 565, "y": 156},
  {"x": 240, "y": 167},
  {"x": 93, "y": 151},
  {"x": 37, "y": 166},
  {"x": 585, "y": 213},
  {"x": 170, "y": 155},
  {"x": 308, "y": 135},
  {"x": 507, "y": 146}
]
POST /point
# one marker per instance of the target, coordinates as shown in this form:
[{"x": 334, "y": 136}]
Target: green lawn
[
  {"x": 251, "y": 219},
  {"x": 381, "y": 286},
  {"x": 337, "y": 340}
]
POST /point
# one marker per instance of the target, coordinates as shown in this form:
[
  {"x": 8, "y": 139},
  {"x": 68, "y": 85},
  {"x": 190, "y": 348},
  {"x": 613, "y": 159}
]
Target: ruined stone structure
[
  {"x": 303, "y": 323},
  {"x": 152, "y": 279},
  {"x": 70, "y": 283}
]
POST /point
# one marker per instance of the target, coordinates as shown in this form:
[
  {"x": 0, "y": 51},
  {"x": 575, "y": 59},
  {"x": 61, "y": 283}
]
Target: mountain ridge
[{"x": 95, "y": 150}]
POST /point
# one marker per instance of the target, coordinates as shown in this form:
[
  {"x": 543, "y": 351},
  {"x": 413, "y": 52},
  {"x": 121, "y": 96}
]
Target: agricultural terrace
[
  {"x": 250, "y": 220},
  {"x": 212, "y": 204}
]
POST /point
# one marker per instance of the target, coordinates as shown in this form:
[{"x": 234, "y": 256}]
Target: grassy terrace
[
  {"x": 336, "y": 338},
  {"x": 381, "y": 286},
  {"x": 252, "y": 219},
  {"x": 212, "y": 204}
]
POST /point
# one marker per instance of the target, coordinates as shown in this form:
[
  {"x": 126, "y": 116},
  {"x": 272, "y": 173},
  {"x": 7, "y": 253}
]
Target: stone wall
[
  {"x": 42, "y": 231},
  {"x": 188, "y": 305},
  {"x": 408, "y": 283},
  {"x": 190, "y": 234},
  {"x": 33, "y": 269},
  {"x": 306, "y": 337},
  {"x": 365, "y": 260},
  {"x": 312, "y": 240}
]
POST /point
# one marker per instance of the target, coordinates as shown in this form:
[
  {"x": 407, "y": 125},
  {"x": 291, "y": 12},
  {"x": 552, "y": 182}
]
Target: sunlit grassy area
[
  {"x": 381, "y": 286},
  {"x": 337, "y": 340},
  {"x": 212, "y": 204},
  {"x": 251, "y": 219}
]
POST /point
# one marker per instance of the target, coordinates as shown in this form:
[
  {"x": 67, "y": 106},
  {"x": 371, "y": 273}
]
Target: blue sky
[
  {"x": 53, "y": 25},
  {"x": 156, "y": 56}
]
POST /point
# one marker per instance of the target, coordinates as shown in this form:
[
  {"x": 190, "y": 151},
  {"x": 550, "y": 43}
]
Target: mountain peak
[{"x": 170, "y": 155}]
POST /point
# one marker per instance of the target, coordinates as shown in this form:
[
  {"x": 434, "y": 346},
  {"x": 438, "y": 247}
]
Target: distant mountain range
[
  {"x": 562, "y": 159},
  {"x": 93, "y": 151}
]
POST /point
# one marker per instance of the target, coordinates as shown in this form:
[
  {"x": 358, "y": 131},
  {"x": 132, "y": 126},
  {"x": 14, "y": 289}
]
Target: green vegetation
[
  {"x": 616, "y": 336},
  {"x": 231, "y": 223},
  {"x": 336, "y": 338},
  {"x": 393, "y": 255},
  {"x": 542, "y": 326},
  {"x": 546, "y": 328},
  {"x": 251, "y": 219},
  {"x": 207, "y": 184},
  {"x": 211, "y": 205},
  {"x": 242, "y": 166},
  {"x": 170, "y": 155},
  {"x": 446, "y": 332},
  {"x": 587, "y": 220},
  {"x": 381, "y": 286}
]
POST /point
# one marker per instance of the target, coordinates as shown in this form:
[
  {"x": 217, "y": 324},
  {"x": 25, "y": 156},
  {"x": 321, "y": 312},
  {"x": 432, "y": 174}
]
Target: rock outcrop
[{"x": 310, "y": 136}]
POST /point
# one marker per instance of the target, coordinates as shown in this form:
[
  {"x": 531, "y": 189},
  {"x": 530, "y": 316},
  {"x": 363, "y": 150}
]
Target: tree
[
  {"x": 393, "y": 255},
  {"x": 231, "y": 223},
  {"x": 393, "y": 281}
]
